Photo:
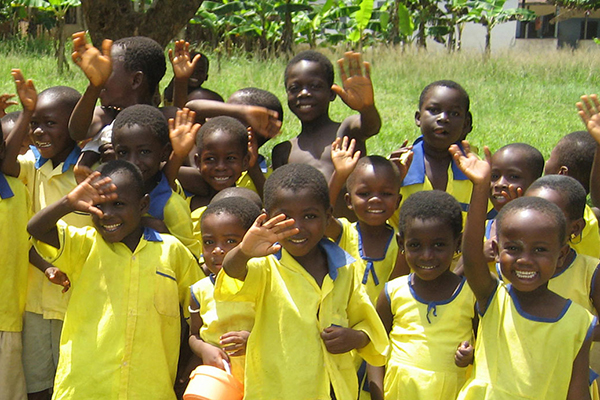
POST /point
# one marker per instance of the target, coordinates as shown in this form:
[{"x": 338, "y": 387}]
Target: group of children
[{"x": 144, "y": 241}]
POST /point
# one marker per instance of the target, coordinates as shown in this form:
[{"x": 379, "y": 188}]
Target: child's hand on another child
[
  {"x": 262, "y": 239},
  {"x": 252, "y": 148},
  {"x": 339, "y": 340},
  {"x": 464, "y": 355},
  {"x": 402, "y": 157},
  {"x": 96, "y": 65},
  {"x": 58, "y": 277},
  {"x": 344, "y": 157},
  {"x": 478, "y": 171},
  {"x": 589, "y": 111},
  {"x": 357, "y": 90},
  {"x": 92, "y": 191},
  {"x": 234, "y": 343},
  {"x": 183, "y": 68},
  {"x": 25, "y": 90},
  {"x": 263, "y": 121},
  {"x": 213, "y": 355},
  {"x": 182, "y": 132},
  {"x": 5, "y": 102}
]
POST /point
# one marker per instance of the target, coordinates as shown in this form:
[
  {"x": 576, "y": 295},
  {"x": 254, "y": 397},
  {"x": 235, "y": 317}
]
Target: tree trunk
[
  {"x": 116, "y": 19},
  {"x": 288, "y": 30},
  {"x": 488, "y": 40},
  {"x": 421, "y": 36},
  {"x": 61, "y": 60}
]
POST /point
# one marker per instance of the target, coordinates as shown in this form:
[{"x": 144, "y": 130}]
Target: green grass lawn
[{"x": 528, "y": 97}]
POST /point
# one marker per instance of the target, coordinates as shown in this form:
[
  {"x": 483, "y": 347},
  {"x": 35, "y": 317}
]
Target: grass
[{"x": 515, "y": 96}]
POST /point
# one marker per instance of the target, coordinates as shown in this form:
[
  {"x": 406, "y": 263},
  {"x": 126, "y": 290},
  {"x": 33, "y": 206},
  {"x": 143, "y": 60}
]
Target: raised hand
[
  {"x": 182, "y": 132},
  {"x": 96, "y": 65},
  {"x": 402, "y": 158},
  {"x": 341, "y": 340},
  {"x": 58, "y": 277},
  {"x": 478, "y": 171},
  {"x": 513, "y": 192},
  {"x": 252, "y": 148},
  {"x": 357, "y": 89},
  {"x": 344, "y": 157},
  {"x": 25, "y": 90},
  {"x": 5, "y": 102},
  {"x": 92, "y": 191},
  {"x": 234, "y": 343},
  {"x": 263, "y": 237},
  {"x": 183, "y": 68},
  {"x": 263, "y": 121},
  {"x": 589, "y": 111}
]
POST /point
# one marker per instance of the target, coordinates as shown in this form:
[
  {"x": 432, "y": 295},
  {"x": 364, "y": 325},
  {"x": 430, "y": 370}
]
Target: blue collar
[
  {"x": 151, "y": 235},
  {"x": 5, "y": 190},
  {"x": 370, "y": 268},
  {"x": 336, "y": 256},
  {"x": 69, "y": 161},
  {"x": 416, "y": 172},
  {"x": 159, "y": 197}
]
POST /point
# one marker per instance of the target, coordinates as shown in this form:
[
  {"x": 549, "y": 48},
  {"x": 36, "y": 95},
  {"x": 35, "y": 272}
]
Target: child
[
  {"x": 522, "y": 321},
  {"x": 309, "y": 85},
  {"x": 14, "y": 212},
  {"x": 8, "y": 122},
  {"x": 573, "y": 156},
  {"x": 48, "y": 172},
  {"x": 219, "y": 330},
  {"x": 141, "y": 136},
  {"x": 429, "y": 313},
  {"x": 121, "y": 331},
  {"x": 310, "y": 309}
]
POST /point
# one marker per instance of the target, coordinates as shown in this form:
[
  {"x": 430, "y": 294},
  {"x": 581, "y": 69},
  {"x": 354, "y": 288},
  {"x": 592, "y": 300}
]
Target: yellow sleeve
[
  {"x": 230, "y": 289},
  {"x": 178, "y": 220},
  {"x": 27, "y": 167}
]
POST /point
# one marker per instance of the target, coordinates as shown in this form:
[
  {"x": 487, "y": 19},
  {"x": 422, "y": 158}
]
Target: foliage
[{"x": 586, "y": 5}]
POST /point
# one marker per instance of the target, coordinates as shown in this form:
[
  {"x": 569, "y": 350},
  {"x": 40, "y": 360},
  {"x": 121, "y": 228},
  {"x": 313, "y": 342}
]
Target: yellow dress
[
  {"x": 424, "y": 339},
  {"x": 589, "y": 242},
  {"x": 519, "y": 356}
]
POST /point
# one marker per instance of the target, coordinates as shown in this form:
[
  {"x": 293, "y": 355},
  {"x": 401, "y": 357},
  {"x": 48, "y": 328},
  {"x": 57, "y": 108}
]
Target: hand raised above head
[
  {"x": 343, "y": 156},
  {"x": 183, "y": 65},
  {"x": 25, "y": 90},
  {"x": 183, "y": 131},
  {"x": 402, "y": 157},
  {"x": 589, "y": 111},
  {"x": 478, "y": 171},
  {"x": 357, "y": 89},
  {"x": 95, "y": 64}
]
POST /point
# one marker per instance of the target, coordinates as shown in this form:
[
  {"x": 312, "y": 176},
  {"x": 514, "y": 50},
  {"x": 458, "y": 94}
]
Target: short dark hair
[
  {"x": 125, "y": 167},
  {"x": 448, "y": 84},
  {"x": 252, "y": 96},
  {"x": 569, "y": 189},
  {"x": 146, "y": 55},
  {"x": 10, "y": 118},
  {"x": 296, "y": 177},
  {"x": 431, "y": 205},
  {"x": 237, "y": 191},
  {"x": 64, "y": 95},
  {"x": 226, "y": 124},
  {"x": 576, "y": 151},
  {"x": 241, "y": 208},
  {"x": 543, "y": 206},
  {"x": 313, "y": 56},
  {"x": 146, "y": 116},
  {"x": 378, "y": 162},
  {"x": 534, "y": 160}
]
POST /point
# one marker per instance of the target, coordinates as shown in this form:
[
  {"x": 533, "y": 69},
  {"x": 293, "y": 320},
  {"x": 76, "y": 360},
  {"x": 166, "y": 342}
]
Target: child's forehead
[
  {"x": 445, "y": 94},
  {"x": 307, "y": 69},
  {"x": 135, "y": 132}
]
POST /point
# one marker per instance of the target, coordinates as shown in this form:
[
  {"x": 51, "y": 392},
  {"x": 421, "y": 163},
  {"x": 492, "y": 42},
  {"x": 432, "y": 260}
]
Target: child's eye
[
  {"x": 540, "y": 249},
  {"x": 231, "y": 241},
  {"x": 231, "y": 158},
  {"x": 208, "y": 242},
  {"x": 310, "y": 216},
  {"x": 495, "y": 176},
  {"x": 145, "y": 152},
  {"x": 121, "y": 152},
  {"x": 413, "y": 245},
  {"x": 455, "y": 114},
  {"x": 50, "y": 123},
  {"x": 515, "y": 177},
  {"x": 439, "y": 245},
  {"x": 433, "y": 110},
  {"x": 292, "y": 88}
]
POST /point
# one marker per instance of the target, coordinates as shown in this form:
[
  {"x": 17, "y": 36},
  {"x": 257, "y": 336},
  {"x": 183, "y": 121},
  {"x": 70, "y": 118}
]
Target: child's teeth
[
  {"x": 525, "y": 274},
  {"x": 111, "y": 227},
  {"x": 427, "y": 266}
]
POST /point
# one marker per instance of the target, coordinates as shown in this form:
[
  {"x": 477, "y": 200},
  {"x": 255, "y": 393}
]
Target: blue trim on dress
[
  {"x": 432, "y": 305},
  {"x": 159, "y": 196},
  {"x": 166, "y": 275},
  {"x": 193, "y": 295},
  {"x": 387, "y": 293},
  {"x": 69, "y": 161},
  {"x": 5, "y": 189},
  {"x": 530, "y": 317},
  {"x": 152, "y": 235},
  {"x": 488, "y": 228},
  {"x": 370, "y": 260}
]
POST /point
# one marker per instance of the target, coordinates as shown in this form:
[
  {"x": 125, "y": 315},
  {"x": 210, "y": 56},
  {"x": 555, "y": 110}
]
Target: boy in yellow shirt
[
  {"x": 121, "y": 333},
  {"x": 311, "y": 310}
]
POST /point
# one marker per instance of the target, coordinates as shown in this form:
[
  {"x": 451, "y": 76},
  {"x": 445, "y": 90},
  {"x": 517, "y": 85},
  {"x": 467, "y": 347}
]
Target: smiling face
[
  {"x": 308, "y": 92},
  {"x": 508, "y": 168},
  {"x": 429, "y": 246},
  {"x": 310, "y": 218},
  {"x": 140, "y": 146},
  {"x": 49, "y": 129},
  {"x": 442, "y": 117},
  {"x": 529, "y": 250},
  {"x": 220, "y": 163},
  {"x": 373, "y": 195},
  {"x": 122, "y": 216},
  {"x": 221, "y": 232}
]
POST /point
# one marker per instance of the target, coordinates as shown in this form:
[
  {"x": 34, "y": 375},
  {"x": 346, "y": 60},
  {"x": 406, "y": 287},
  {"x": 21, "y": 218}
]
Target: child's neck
[
  {"x": 315, "y": 263},
  {"x": 151, "y": 183},
  {"x": 62, "y": 156},
  {"x": 568, "y": 260},
  {"x": 133, "y": 239},
  {"x": 318, "y": 125},
  {"x": 436, "y": 166},
  {"x": 374, "y": 239},
  {"x": 439, "y": 289},
  {"x": 541, "y": 302}
]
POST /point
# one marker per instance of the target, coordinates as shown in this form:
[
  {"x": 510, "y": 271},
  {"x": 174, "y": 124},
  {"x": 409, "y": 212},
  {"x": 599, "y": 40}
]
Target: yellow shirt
[
  {"x": 286, "y": 357},
  {"x": 246, "y": 182},
  {"x": 47, "y": 185},
  {"x": 219, "y": 317},
  {"x": 172, "y": 209},
  {"x": 121, "y": 334},
  {"x": 589, "y": 242},
  {"x": 14, "y": 212},
  {"x": 519, "y": 356},
  {"x": 424, "y": 338}
]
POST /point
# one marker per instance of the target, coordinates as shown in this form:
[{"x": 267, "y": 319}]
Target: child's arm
[
  {"x": 97, "y": 67},
  {"x": 53, "y": 274},
  {"x": 402, "y": 157},
  {"x": 589, "y": 111},
  {"x": 475, "y": 265},
  {"x": 182, "y": 132},
  {"x": 357, "y": 93},
  {"x": 261, "y": 240},
  {"x": 183, "y": 69},
  {"x": 376, "y": 374},
  {"x": 5, "y": 102},
  {"x": 254, "y": 171},
  {"x": 579, "y": 388},
  {"x": 595, "y": 296},
  {"x": 210, "y": 355},
  {"x": 91, "y": 192},
  {"x": 28, "y": 96},
  {"x": 340, "y": 340}
]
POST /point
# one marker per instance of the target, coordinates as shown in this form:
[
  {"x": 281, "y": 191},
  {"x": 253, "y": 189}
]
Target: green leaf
[
  {"x": 405, "y": 22},
  {"x": 354, "y": 36},
  {"x": 363, "y": 15}
]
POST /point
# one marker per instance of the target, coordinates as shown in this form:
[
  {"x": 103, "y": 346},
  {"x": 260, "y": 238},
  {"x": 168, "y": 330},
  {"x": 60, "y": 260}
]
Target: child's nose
[
  {"x": 37, "y": 131},
  {"x": 218, "y": 250},
  {"x": 442, "y": 116}
]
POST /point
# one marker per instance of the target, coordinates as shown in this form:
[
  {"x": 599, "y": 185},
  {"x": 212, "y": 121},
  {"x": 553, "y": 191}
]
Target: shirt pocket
[{"x": 166, "y": 294}]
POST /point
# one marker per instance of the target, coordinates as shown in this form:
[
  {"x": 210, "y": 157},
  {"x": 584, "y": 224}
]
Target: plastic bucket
[{"x": 212, "y": 383}]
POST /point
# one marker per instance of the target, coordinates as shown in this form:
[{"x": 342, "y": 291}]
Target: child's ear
[
  {"x": 495, "y": 250},
  {"x": 577, "y": 227},
  {"x": 418, "y": 118},
  {"x": 348, "y": 202},
  {"x": 468, "y": 126},
  {"x": 458, "y": 243},
  {"x": 398, "y": 200},
  {"x": 197, "y": 160},
  {"x": 563, "y": 170},
  {"x": 564, "y": 252},
  {"x": 246, "y": 162},
  {"x": 333, "y": 95},
  {"x": 145, "y": 204},
  {"x": 400, "y": 240},
  {"x": 137, "y": 79}
]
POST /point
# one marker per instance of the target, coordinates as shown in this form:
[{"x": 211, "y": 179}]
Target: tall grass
[{"x": 515, "y": 96}]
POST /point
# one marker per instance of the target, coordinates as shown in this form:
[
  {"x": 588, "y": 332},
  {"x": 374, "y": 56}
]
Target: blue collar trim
[
  {"x": 5, "y": 190},
  {"x": 571, "y": 251},
  {"x": 336, "y": 256},
  {"x": 159, "y": 197},
  {"x": 370, "y": 268},
  {"x": 531, "y": 317},
  {"x": 416, "y": 172},
  {"x": 432, "y": 305},
  {"x": 69, "y": 161},
  {"x": 151, "y": 235}
]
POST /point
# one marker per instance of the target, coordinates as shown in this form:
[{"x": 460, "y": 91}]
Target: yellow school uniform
[
  {"x": 246, "y": 182},
  {"x": 576, "y": 280},
  {"x": 424, "y": 339},
  {"x": 589, "y": 242},
  {"x": 219, "y": 317},
  {"x": 15, "y": 209},
  {"x": 286, "y": 357},
  {"x": 172, "y": 209},
  {"x": 196, "y": 216},
  {"x": 47, "y": 185},
  {"x": 120, "y": 338},
  {"x": 519, "y": 356}
]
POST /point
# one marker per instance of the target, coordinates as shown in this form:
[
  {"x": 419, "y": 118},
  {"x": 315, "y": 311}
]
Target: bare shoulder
[
  {"x": 169, "y": 111},
  {"x": 281, "y": 153}
]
